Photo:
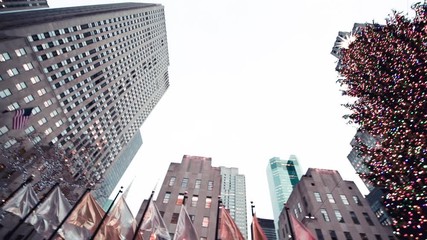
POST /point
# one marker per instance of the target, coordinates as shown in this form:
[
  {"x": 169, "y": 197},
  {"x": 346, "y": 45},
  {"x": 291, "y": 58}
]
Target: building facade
[
  {"x": 195, "y": 180},
  {"x": 233, "y": 196},
  {"x": 13, "y": 5},
  {"x": 90, "y": 75},
  {"x": 282, "y": 175},
  {"x": 268, "y": 227},
  {"x": 331, "y": 208}
]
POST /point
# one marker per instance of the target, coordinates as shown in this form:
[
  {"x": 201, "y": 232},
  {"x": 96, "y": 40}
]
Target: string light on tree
[{"x": 385, "y": 69}]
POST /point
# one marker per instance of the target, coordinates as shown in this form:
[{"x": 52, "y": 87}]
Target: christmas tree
[{"x": 384, "y": 68}]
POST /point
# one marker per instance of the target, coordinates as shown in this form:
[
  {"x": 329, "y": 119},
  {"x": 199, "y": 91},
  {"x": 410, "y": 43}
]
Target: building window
[
  {"x": 339, "y": 216},
  {"x": 28, "y": 66},
  {"x": 20, "y": 52},
  {"x": 172, "y": 181},
  {"x": 36, "y": 110},
  {"x": 330, "y": 197},
  {"x": 354, "y": 217},
  {"x": 5, "y": 93},
  {"x": 192, "y": 217},
  {"x": 59, "y": 123},
  {"x": 317, "y": 197},
  {"x": 48, "y": 131},
  {"x": 299, "y": 207},
  {"x": 175, "y": 217},
  {"x": 363, "y": 236},
  {"x": 184, "y": 182},
  {"x": 319, "y": 234},
  {"x": 48, "y": 103},
  {"x": 198, "y": 183},
  {"x": 41, "y": 92},
  {"x": 36, "y": 140},
  {"x": 194, "y": 200},
  {"x": 357, "y": 200},
  {"x": 12, "y": 72},
  {"x": 3, "y": 130},
  {"x": 53, "y": 113},
  {"x": 166, "y": 197},
  {"x": 208, "y": 202},
  {"x": 210, "y": 185},
  {"x": 9, "y": 143},
  {"x": 368, "y": 219},
  {"x": 347, "y": 236},
  {"x": 29, "y": 98},
  {"x": 180, "y": 199},
  {"x": 296, "y": 212},
  {"x": 333, "y": 235},
  {"x": 13, "y": 106},
  {"x": 205, "y": 222},
  {"x": 35, "y": 79},
  {"x": 378, "y": 237},
  {"x": 344, "y": 199},
  {"x": 325, "y": 215},
  {"x": 42, "y": 121},
  {"x": 4, "y": 57},
  {"x": 21, "y": 86}
]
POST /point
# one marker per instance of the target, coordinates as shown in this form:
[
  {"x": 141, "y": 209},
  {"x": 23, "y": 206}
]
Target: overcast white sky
[{"x": 251, "y": 80}]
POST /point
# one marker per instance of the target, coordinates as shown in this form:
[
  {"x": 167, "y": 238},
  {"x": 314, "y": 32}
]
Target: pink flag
[
  {"x": 301, "y": 232},
  {"x": 258, "y": 233},
  {"x": 228, "y": 228},
  {"x": 153, "y": 222},
  {"x": 184, "y": 228}
]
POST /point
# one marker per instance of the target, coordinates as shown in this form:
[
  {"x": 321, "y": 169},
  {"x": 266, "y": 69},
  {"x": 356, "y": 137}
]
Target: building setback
[
  {"x": 12, "y": 5},
  {"x": 233, "y": 195},
  {"x": 196, "y": 179},
  {"x": 282, "y": 176},
  {"x": 91, "y": 75},
  {"x": 331, "y": 208}
]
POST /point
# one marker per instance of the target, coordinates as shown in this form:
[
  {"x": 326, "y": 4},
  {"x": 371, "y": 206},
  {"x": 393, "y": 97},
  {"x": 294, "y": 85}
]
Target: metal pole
[
  {"x": 143, "y": 215},
  {"x": 105, "y": 215},
  {"x": 4, "y": 201},
  {"x": 185, "y": 198},
  {"x": 252, "y": 225},
  {"x": 68, "y": 215},
  {"x": 289, "y": 222},
  {"x": 21, "y": 221},
  {"x": 217, "y": 216}
]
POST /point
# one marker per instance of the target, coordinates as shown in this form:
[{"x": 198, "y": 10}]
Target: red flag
[
  {"x": 301, "y": 232},
  {"x": 258, "y": 233},
  {"x": 185, "y": 229},
  {"x": 228, "y": 228},
  {"x": 21, "y": 118}
]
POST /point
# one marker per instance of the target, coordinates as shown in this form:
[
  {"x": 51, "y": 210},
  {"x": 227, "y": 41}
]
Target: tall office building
[
  {"x": 268, "y": 227},
  {"x": 331, "y": 208},
  {"x": 89, "y": 75},
  {"x": 282, "y": 177},
  {"x": 201, "y": 183},
  {"x": 233, "y": 195},
  {"x": 12, "y": 5}
]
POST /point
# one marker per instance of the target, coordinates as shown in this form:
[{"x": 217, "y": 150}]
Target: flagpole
[
  {"x": 217, "y": 217},
  {"x": 105, "y": 215},
  {"x": 289, "y": 221},
  {"x": 68, "y": 214},
  {"x": 21, "y": 221},
  {"x": 4, "y": 201},
  {"x": 143, "y": 215},
  {"x": 252, "y": 226}
]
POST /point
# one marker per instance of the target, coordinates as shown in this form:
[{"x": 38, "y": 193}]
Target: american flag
[{"x": 21, "y": 118}]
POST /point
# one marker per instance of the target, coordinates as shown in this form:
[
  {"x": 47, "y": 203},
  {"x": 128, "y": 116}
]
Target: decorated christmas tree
[{"x": 384, "y": 68}]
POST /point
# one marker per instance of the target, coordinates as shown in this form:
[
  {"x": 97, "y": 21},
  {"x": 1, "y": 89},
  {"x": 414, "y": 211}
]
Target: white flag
[
  {"x": 153, "y": 222},
  {"x": 184, "y": 228},
  {"x": 22, "y": 202}
]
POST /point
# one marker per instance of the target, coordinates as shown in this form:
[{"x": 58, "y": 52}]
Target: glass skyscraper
[{"x": 282, "y": 177}]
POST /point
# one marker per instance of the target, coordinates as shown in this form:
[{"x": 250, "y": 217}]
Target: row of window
[
  {"x": 340, "y": 218},
  {"x": 194, "y": 200},
  {"x": 343, "y": 197},
  {"x": 184, "y": 183},
  {"x": 6, "y": 56},
  {"x": 347, "y": 235}
]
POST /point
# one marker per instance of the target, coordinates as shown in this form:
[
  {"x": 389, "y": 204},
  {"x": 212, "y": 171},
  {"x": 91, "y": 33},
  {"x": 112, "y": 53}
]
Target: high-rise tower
[
  {"x": 91, "y": 76},
  {"x": 282, "y": 177},
  {"x": 196, "y": 180},
  {"x": 233, "y": 195}
]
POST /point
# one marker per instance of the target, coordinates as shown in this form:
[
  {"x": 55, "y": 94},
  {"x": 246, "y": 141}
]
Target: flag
[
  {"x": 21, "y": 118},
  {"x": 84, "y": 220},
  {"x": 228, "y": 228},
  {"x": 22, "y": 202},
  {"x": 301, "y": 232},
  {"x": 120, "y": 223},
  {"x": 153, "y": 222},
  {"x": 184, "y": 228},
  {"x": 50, "y": 213},
  {"x": 257, "y": 232}
]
